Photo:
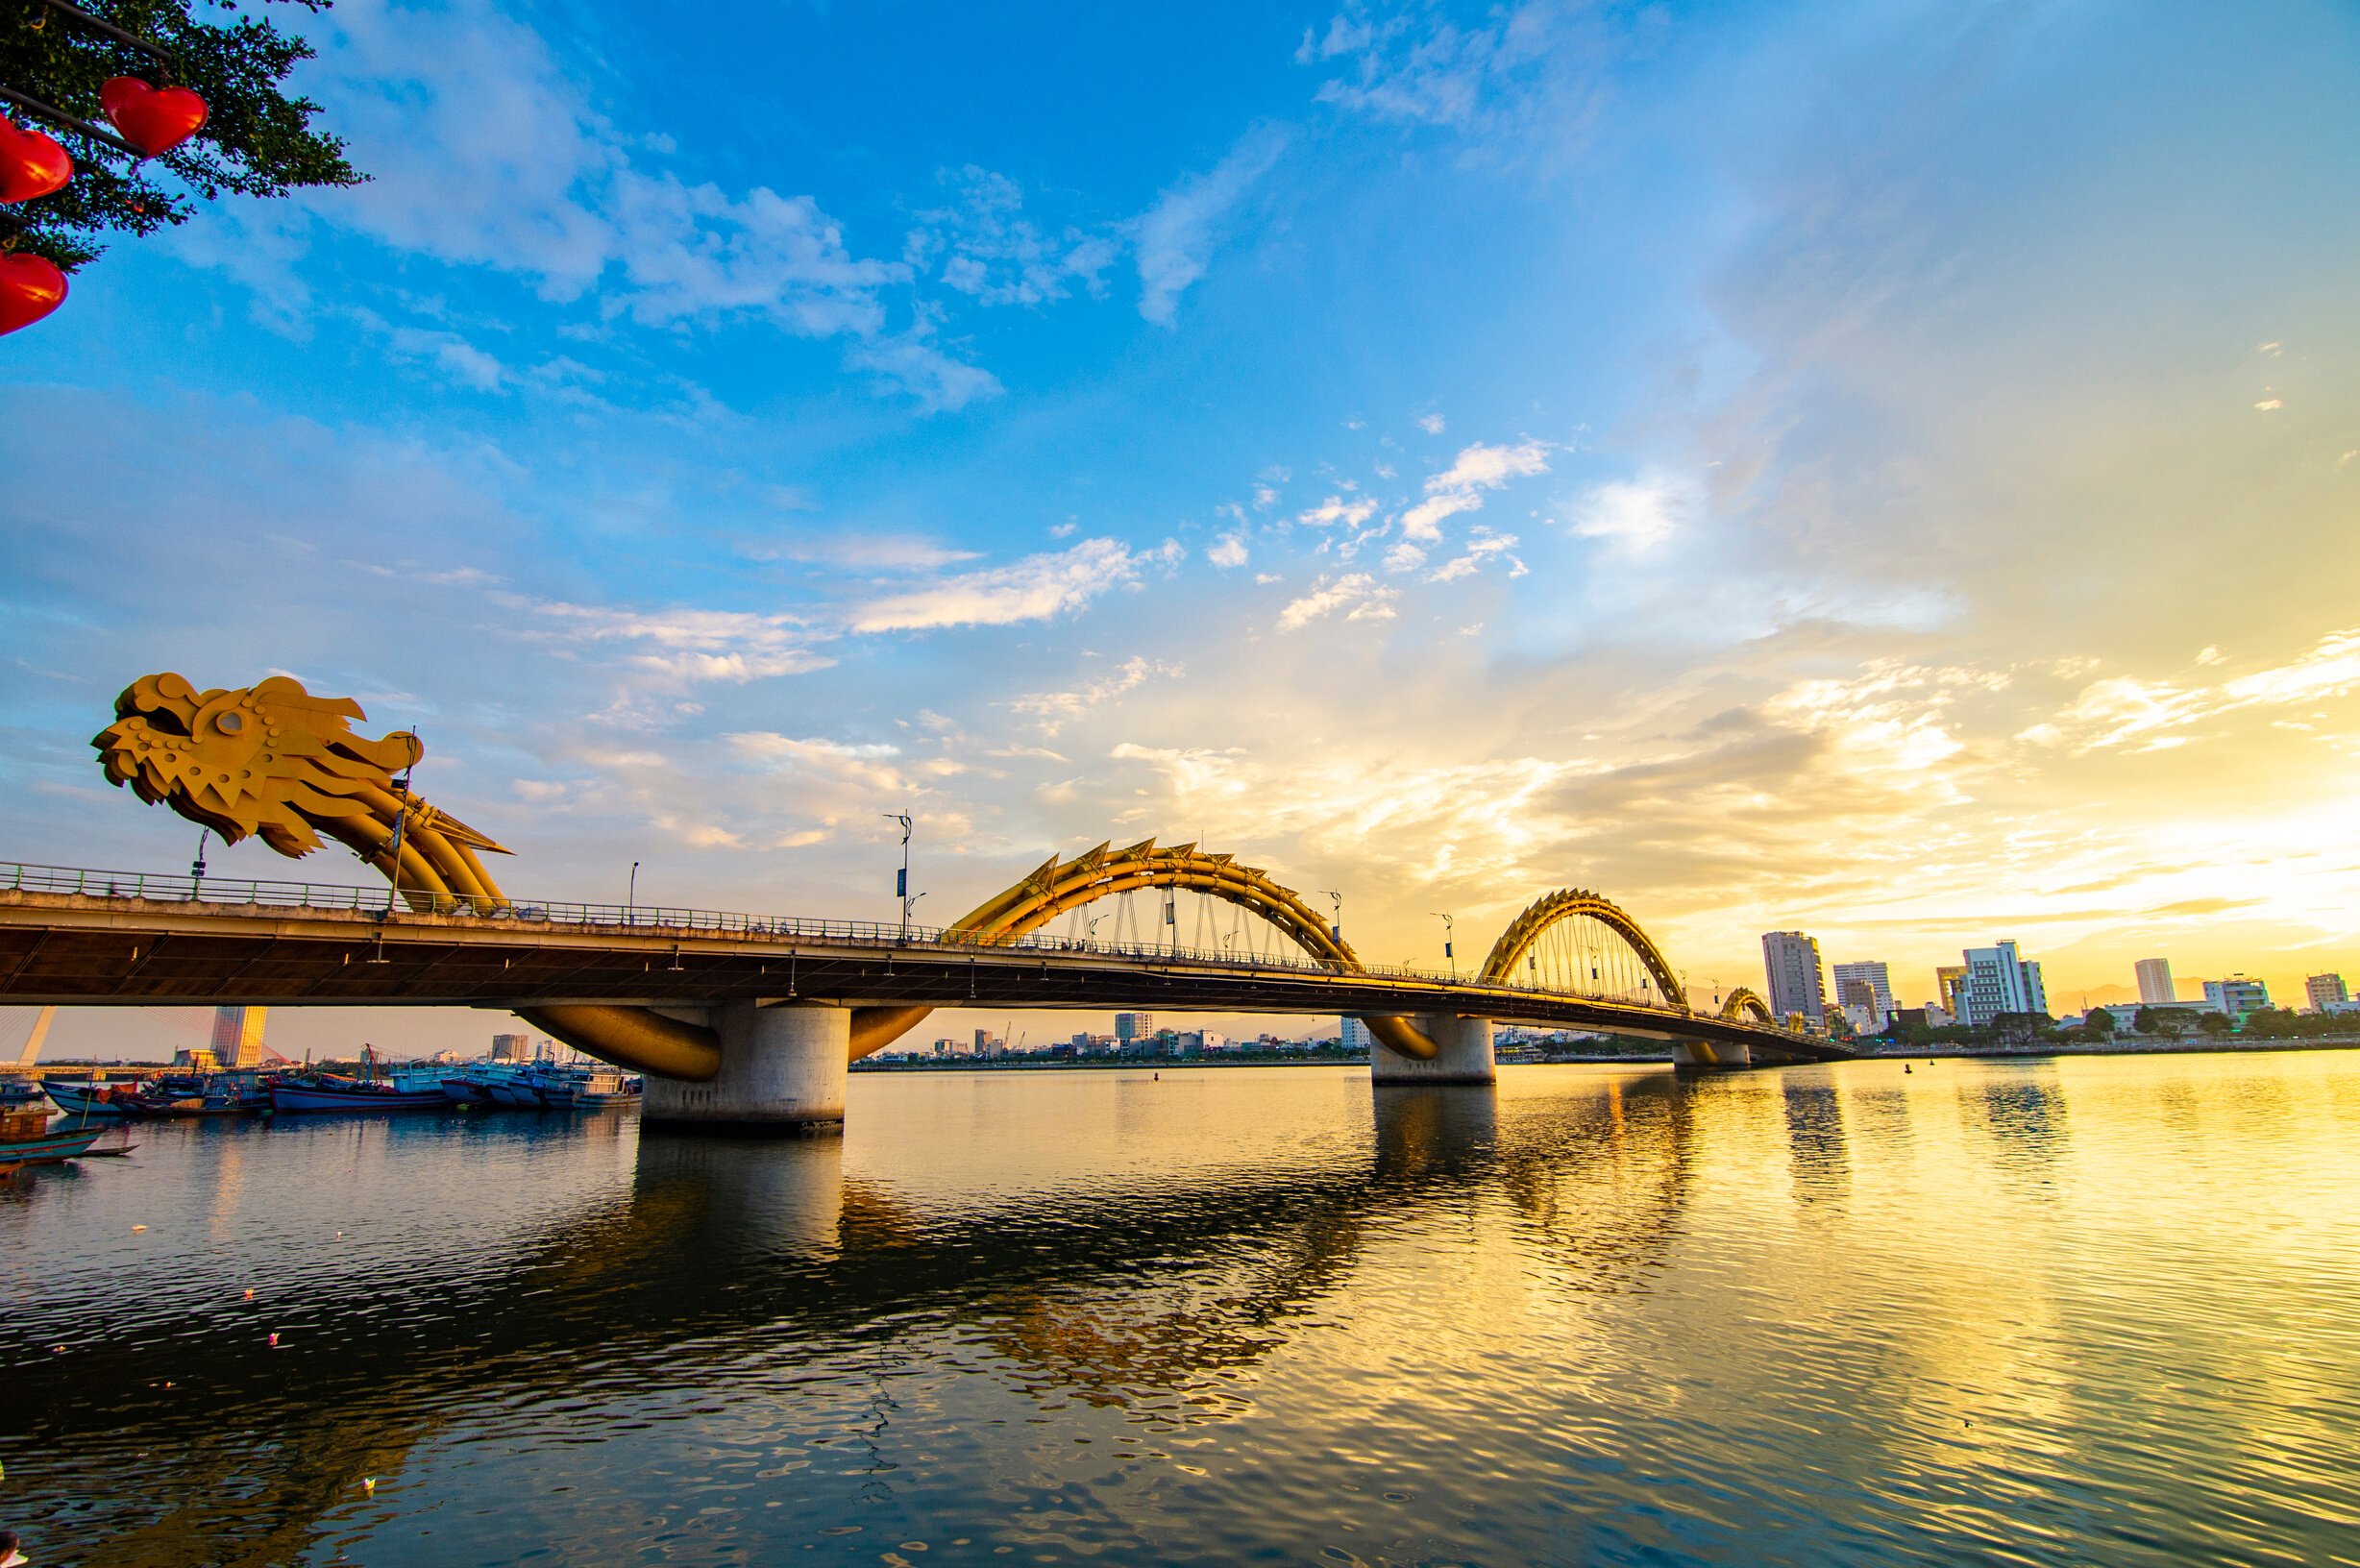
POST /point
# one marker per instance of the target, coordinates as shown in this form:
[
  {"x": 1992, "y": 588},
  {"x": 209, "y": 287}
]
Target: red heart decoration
[
  {"x": 30, "y": 288},
  {"x": 153, "y": 119},
  {"x": 31, "y": 165}
]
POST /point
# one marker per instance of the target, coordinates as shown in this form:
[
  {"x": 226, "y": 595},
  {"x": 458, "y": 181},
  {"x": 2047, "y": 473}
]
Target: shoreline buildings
[
  {"x": 1865, "y": 990},
  {"x": 2155, "y": 988},
  {"x": 1790, "y": 962},
  {"x": 2237, "y": 995}
]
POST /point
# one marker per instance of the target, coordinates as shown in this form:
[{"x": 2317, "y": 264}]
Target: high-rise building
[
  {"x": 1354, "y": 1036},
  {"x": 237, "y": 1035},
  {"x": 2324, "y": 990},
  {"x": 1130, "y": 1027},
  {"x": 1790, "y": 959},
  {"x": 2156, "y": 982},
  {"x": 1950, "y": 989},
  {"x": 2236, "y": 995},
  {"x": 2001, "y": 980},
  {"x": 1866, "y": 984},
  {"x": 511, "y": 1048}
]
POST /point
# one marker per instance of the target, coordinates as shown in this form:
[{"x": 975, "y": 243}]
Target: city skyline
[{"x": 1439, "y": 455}]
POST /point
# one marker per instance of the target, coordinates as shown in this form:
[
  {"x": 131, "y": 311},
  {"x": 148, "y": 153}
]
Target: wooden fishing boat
[{"x": 26, "y": 1139}]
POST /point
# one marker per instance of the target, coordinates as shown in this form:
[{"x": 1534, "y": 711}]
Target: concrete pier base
[
  {"x": 1703, "y": 1056},
  {"x": 1464, "y": 1056},
  {"x": 782, "y": 1071}
]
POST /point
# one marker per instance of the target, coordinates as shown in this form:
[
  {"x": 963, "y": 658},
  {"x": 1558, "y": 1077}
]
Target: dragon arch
[
  {"x": 1743, "y": 1002},
  {"x": 1572, "y": 904},
  {"x": 1058, "y": 886}
]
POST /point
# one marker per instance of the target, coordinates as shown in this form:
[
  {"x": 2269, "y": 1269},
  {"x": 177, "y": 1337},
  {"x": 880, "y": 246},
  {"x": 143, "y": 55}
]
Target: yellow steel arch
[
  {"x": 1573, "y": 903},
  {"x": 1744, "y": 1003},
  {"x": 1058, "y": 886}
]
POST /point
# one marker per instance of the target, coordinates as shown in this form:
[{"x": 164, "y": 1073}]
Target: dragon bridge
[{"x": 274, "y": 762}]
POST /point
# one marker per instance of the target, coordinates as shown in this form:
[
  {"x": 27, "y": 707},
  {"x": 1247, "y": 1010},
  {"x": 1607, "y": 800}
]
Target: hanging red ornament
[
  {"x": 153, "y": 119},
  {"x": 31, "y": 165},
  {"x": 30, "y": 288}
]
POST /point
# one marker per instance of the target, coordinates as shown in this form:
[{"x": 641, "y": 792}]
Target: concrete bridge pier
[
  {"x": 1695, "y": 1056},
  {"x": 782, "y": 1071},
  {"x": 1462, "y": 1053}
]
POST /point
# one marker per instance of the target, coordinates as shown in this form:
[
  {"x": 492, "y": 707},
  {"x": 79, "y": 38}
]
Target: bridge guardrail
[{"x": 170, "y": 888}]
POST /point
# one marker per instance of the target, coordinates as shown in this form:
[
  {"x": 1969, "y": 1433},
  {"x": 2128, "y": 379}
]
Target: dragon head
[{"x": 268, "y": 760}]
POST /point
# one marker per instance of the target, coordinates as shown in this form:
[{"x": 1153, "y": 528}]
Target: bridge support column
[
  {"x": 1464, "y": 1054},
  {"x": 782, "y": 1071},
  {"x": 1710, "y": 1056}
]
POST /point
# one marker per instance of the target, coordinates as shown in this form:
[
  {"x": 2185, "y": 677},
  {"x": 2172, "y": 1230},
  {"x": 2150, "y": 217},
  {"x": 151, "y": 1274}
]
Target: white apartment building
[
  {"x": 2156, "y": 982},
  {"x": 1866, "y": 984},
  {"x": 2237, "y": 995},
  {"x": 2001, "y": 980},
  {"x": 2323, "y": 992}
]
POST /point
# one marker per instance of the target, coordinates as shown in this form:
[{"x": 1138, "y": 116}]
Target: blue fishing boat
[
  {"x": 407, "y": 1089},
  {"x": 330, "y": 1092},
  {"x": 93, "y": 1097}
]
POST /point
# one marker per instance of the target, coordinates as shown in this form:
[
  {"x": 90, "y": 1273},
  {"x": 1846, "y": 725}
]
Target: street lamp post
[
  {"x": 901, "y": 879},
  {"x": 1336, "y": 931},
  {"x": 400, "y": 819},
  {"x": 1450, "y": 951},
  {"x": 630, "y": 899}
]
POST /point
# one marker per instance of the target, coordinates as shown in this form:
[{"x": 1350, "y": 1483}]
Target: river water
[{"x": 2100, "y": 1311}]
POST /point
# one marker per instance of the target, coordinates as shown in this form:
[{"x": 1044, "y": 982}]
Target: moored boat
[
  {"x": 26, "y": 1139},
  {"x": 331, "y": 1091},
  {"x": 602, "y": 1088},
  {"x": 93, "y": 1097}
]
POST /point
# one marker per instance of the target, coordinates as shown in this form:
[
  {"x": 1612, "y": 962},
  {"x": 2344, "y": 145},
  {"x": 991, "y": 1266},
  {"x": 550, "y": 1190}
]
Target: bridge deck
[{"x": 66, "y": 948}]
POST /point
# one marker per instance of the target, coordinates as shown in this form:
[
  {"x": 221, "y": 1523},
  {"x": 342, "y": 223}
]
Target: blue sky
[{"x": 1879, "y": 468}]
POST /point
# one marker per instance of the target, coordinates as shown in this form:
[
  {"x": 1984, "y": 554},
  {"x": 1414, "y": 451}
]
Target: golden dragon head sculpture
[{"x": 271, "y": 761}]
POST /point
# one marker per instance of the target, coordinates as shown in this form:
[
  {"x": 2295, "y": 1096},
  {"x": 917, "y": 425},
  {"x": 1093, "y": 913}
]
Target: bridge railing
[{"x": 659, "y": 919}]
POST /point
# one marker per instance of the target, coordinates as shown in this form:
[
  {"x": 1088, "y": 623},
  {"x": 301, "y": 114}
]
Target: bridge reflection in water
[{"x": 1591, "y": 1314}]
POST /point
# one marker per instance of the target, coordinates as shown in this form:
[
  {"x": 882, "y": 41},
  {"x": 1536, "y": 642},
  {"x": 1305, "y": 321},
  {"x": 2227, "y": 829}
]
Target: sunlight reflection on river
[{"x": 2085, "y": 1311}]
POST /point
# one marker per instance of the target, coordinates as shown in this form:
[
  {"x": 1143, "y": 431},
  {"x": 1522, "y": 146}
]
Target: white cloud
[
  {"x": 1404, "y": 558},
  {"x": 1356, "y": 595},
  {"x": 1534, "y": 73},
  {"x": 881, "y": 552},
  {"x": 1481, "y": 544},
  {"x": 690, "y": 644},
  {"x": 1638, "y": 514},
  {"x": 482, "y": 151},
  {"x": 1227, "y": 552},
  {"x": 907, "y": 363},
  {"x": 1054, "y": 710},
  {"x": 1460, "y": 488},
  {"x": 1337, "y": 510},
  {"x": 1032, "y": 589},
  {"x": 985, "y": 248},
  {"x": 2121, "y": 709},
  {"x": 866, "y": 771},
  {"x": 1176, "y": 238},
  {"x": 1431, "y": 424}
]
